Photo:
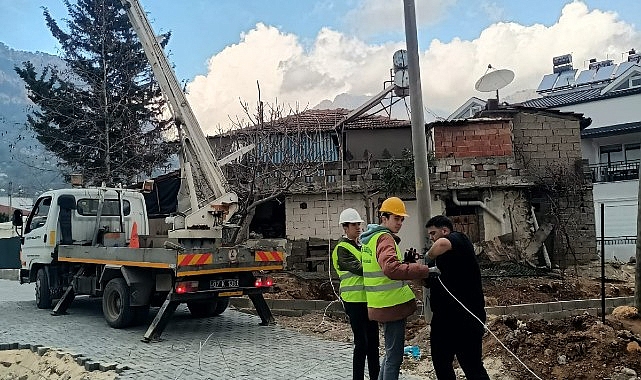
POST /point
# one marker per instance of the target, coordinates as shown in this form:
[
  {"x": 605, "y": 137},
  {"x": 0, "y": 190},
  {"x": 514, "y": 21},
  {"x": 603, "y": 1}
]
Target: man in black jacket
[{"x": 455, "y": 331}]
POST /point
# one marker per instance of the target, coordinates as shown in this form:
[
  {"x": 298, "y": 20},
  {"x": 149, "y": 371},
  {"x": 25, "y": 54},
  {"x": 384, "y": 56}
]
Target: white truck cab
[{"x": 71, "y": 217}]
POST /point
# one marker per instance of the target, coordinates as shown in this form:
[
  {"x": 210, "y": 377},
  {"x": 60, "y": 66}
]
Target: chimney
[{"x": 492, "y": 104}]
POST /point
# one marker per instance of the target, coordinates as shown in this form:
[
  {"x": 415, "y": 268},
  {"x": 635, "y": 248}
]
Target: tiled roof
[
  {"x": 504, "y": 112},
  {"x": 325, "y": 120},
  {"x": 612, "y": 130},
  {"x": 575, "y": 97}
]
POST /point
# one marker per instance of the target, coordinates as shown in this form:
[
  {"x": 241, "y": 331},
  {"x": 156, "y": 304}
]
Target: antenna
[{"x": 494, "y": 80}]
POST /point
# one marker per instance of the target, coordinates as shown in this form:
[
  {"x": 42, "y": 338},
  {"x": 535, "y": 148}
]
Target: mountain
[{"x": 23, "y": 160}]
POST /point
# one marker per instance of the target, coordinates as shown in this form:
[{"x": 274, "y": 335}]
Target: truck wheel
[
  {"x": 200, "y": 309},
  {"x": 43, "y": 295},
  {"x": 116, "y": 306},
  {"x": 221, "y": 305}
]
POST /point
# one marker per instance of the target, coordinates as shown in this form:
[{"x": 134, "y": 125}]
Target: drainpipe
[{"x": 480, "y": 204}]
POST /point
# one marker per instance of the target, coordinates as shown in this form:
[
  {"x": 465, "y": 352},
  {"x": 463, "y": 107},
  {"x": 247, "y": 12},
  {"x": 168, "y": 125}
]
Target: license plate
[{"x": 226, "y": 283}]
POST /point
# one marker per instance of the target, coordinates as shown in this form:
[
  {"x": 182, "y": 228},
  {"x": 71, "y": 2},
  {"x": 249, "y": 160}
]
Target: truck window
[
  {"x": 89, "y": 207},
  {"x": 38, "y": 216}
]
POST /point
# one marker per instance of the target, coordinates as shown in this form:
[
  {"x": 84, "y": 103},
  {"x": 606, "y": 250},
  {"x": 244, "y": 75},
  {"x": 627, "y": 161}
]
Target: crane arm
[{"x": 196, "y": 150}]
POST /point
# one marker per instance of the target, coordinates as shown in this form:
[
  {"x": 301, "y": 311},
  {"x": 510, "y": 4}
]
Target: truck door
[{"x": 39, "y": 233}]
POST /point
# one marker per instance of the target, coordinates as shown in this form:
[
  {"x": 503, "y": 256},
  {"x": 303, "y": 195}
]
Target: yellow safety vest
[
  {"x": 382, "y": 291},
  {"x": 352, "y": 288}
]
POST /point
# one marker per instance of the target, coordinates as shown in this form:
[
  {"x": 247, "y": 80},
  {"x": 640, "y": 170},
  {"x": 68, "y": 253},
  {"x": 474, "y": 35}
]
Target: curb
[
  {"x": 546, "y": 311},
  {"x": 9, "y": 274}
]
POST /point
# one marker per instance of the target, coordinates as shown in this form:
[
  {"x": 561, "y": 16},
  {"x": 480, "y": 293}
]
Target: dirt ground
[
  {"x": 580, "y": 347},
  {"x": 26, "y": 365}
]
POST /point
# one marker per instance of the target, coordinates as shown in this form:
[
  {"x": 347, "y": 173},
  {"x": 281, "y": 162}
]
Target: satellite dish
[{"x": 494, "y": 80}]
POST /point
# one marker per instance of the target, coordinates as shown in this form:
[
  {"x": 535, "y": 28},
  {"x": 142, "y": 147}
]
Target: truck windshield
[
  {"x": 38, "y": 216},
  {"x": 89, "y": 207}
]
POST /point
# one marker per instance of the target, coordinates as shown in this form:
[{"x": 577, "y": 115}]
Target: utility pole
[
  {"x": 637, "y": 276},
  {"x": 419, "y": 141},
  {"x": 10, "y": 192}
]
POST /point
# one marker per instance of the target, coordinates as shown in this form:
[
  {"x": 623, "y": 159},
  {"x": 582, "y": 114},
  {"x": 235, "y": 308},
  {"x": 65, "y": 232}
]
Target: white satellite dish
[{"x": 494, "y": 80}]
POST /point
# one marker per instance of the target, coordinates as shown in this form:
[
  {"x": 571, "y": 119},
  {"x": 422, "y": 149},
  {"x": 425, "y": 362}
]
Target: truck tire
[
  {"x": 43, "y": 294},
  {"x": 116, "y": 304},
  {"x": 221, "y": 305}
]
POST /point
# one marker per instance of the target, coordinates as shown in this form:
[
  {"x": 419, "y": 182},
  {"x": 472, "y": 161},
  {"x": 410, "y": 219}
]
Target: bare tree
[{"x": 287, "y": 147}]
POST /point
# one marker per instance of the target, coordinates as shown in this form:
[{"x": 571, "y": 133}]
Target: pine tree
[{"x": 102, "y": 115}]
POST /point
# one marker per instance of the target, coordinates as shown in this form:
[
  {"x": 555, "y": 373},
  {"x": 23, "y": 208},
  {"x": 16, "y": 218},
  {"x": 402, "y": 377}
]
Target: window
[
  {"x": 611, "y": 153},
  {"x": 632, "y": 152},
  {"x": 38, "y": 216},
  {"x": 89, "y": 207},
  {"x": 635, "y": 80}
]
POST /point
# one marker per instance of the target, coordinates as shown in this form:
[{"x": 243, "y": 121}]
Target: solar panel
[
  {"x": 623, "y": 66},
  {"x": 585, "y": 76},
  {"x": 566, "y": 78},
  {"x": 547, "y": 82},
  {"x": 604, "y": 73}
]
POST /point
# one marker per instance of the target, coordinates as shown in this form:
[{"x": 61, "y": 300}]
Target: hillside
[{"x": 23, "y": 160}]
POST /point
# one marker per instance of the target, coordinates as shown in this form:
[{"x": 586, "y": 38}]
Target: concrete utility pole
[
  {"x": 419, "y": 141},
  {"x": 637, "y": 277}
]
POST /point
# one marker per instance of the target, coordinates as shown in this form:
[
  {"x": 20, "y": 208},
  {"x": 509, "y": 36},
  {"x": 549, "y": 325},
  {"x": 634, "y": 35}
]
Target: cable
[{"x": 488, "y": 330}]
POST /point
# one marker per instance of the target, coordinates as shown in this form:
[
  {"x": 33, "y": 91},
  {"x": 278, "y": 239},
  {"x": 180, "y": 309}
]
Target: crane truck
[{"x": 96, "y": 241}]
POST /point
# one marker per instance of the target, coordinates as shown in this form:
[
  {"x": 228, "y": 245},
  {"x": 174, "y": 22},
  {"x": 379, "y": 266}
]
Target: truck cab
[{"x": 79, "y": 216}]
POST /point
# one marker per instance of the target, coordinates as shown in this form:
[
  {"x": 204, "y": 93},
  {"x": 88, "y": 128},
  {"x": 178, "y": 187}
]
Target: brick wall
[{"x": 490, "y": 139}]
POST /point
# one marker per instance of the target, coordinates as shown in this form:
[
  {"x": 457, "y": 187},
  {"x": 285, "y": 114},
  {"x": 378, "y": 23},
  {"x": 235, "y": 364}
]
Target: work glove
[{"x": 410, "y": 256}]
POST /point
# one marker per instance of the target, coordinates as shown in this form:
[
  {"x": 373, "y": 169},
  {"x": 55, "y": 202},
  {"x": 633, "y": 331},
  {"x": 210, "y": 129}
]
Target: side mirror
[{"x": 17, "y": 218}]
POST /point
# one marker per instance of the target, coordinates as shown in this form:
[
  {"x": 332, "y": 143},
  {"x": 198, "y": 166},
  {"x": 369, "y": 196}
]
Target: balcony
[{"x": 615, "y": 171}]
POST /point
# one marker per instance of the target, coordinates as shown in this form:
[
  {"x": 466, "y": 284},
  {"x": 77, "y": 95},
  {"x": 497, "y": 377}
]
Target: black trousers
[
  {"x": 365, "y": 341},
  {"x": 462, "y": 338}
]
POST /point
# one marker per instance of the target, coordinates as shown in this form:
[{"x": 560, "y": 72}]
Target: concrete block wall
[
  {"x": 554, "y": 141},
  {"x": 316, "y": 215},
  {"x": 546, "y": 139}
]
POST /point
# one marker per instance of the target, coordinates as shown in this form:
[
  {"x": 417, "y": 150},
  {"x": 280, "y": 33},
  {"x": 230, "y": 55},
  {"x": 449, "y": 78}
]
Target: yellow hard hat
[{"x": 394, "y": 205}]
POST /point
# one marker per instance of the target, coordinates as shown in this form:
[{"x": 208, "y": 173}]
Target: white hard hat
[{"x": 349, "y": 215}]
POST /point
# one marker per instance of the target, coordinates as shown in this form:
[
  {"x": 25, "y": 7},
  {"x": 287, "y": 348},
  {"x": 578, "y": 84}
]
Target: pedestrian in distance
[
  {"x": 455, "y": 330},
  {"x": 346, "y": 258},
  {"x": 390, "y": 300}
]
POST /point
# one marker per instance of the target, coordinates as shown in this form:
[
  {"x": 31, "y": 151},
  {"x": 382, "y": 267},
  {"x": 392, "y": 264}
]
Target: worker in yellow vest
[
  {"x": 346, "y": 258},
  {"x": 386, "y": 274}
]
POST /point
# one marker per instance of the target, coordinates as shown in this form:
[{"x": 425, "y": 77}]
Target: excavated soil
[{"x": 580, "y": 347}]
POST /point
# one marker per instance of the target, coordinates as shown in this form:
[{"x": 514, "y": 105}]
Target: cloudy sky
[{"x": 305, "y": 52}]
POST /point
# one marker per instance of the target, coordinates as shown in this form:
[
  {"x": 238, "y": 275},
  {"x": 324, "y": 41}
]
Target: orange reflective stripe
[
  {"x": 269, "y": 256},
  {"x": 195, "y": 259}
]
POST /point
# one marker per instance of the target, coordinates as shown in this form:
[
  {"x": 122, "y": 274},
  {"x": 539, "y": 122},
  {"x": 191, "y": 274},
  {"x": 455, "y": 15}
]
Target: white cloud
[
  {"x": 339, "y": 64},
  {"x": 450, "y": 70}
]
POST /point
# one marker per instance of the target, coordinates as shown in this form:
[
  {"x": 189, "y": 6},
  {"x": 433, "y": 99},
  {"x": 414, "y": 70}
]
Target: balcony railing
[
  {"x": 617, "y": 240},
  {"x": 615, "y": 171}
]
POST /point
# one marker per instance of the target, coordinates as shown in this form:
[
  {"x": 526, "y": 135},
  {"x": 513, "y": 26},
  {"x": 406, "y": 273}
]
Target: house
[
  {"x": 480, "y": 177},
  {"x": 610, "y": 94},
  {"x": 507, "y": 171}
]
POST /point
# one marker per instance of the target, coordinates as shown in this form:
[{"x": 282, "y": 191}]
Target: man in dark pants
[
  {"x": 346, "y": 259},
  {"x": 454, "y": 331}
]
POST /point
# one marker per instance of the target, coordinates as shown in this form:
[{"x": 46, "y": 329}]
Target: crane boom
[{"x": 200, "y": 170}]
